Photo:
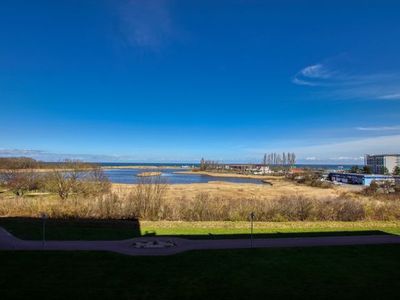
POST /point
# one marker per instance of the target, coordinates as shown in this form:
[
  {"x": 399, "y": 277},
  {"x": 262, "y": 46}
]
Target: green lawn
[
  {"x": 192, "y": 229},
  {"x": 369, "y": 272},
  {"x": 31, "y": 229},
  {"x": 26, "y": 228},
  {"x": 357, "y": 272}
]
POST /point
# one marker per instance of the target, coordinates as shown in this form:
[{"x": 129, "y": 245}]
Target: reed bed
[{"x": 151, "y": 204}]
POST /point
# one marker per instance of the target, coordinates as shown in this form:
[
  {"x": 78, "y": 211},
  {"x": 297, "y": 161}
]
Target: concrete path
[{"x": 9, "y": 242}]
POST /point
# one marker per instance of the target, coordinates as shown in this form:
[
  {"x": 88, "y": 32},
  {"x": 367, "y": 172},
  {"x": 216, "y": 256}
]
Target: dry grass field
[
  {"x": 281, "y": 200},
  {"x": 220, "y": 189}
]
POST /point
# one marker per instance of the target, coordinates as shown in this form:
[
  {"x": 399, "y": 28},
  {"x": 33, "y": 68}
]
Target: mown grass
[
  {"x": 356, "y": 272},
  {"x": 221, "y": 227},
  {"x": 27, "y": 228},
  {"x": 58, "y": 229}
]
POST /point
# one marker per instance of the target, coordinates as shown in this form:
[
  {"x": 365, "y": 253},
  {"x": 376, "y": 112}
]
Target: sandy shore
[
  {"x": 141, "y": 167},
  {"x": 234, "y": 175},
  {"x": 148, "y": 174}
]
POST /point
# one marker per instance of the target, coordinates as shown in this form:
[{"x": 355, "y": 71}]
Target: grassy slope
[{"x": 368, "y": 272}]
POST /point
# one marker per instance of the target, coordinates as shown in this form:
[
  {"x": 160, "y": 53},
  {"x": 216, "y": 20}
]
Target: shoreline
[
  {"x": 140, "y": 167},
  {"x": 231, "y": 175}
]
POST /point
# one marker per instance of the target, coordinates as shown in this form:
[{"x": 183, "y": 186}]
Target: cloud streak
[
  {"x": 50, "y": 156},
  {"x": 130, "y": 158},
  {"x": 390, "y": 97},
  {"x": 347, "y": 151},
  {"x": 20, "y": 152},
  {"x": 348, "y": 85},
  {"x": 379, "y": 128}
]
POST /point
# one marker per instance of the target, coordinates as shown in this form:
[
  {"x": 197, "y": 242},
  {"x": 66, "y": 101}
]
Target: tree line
[
  {"x": 368, "y": 170},
  {"x": 286, "y": 159},
  {"x": 210, "y": 165},
  {"x": 20, "y": 163},
  {"x": 272, "y": 159}
]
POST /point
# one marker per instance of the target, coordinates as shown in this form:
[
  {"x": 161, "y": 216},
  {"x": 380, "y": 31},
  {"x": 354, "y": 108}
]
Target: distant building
[
  {"x": 378, "y": 163},
  {"x": 296, "y": 170},
  {"x": 363, "y": 179},
  {"x": 261, "y": 169}
]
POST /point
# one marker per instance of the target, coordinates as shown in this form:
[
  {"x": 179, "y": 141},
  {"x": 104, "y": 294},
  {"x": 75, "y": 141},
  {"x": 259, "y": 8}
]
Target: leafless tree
[
  {"x": 20, "y": 181},
  {"x": 77, "y": 178}
]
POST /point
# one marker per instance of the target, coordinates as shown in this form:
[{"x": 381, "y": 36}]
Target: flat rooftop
[
  {"x": 364, "y": 175},
  {"x": 383, "y": 154}
]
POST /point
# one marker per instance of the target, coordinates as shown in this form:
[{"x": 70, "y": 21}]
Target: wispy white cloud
[
  {"x": 316, "y": 71},
  {"x": 346, "y": 151},
  {"x": 311, "y": 158},
  {"x": 51, "y": 156},
  {"x": 298, "y": 81},
  {"x": 20, "y": 152},
  {"x": 134, "y": 157},
  {"x": 353, "y": 148},
  {"x": 379, "y": 128},
  {"x": 390, "y": 97},
  {"x": 342, "y": 84},
  {"x": 314, "y": 75}
]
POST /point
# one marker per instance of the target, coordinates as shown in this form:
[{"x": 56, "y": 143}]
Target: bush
[
  {"x": 382, "y": 187},
  {"x": 311, "y": 178},
  {"x": 20, "y": 182},
  {"x": 147, "y": 201},
  {"x": 350, "y": 210}
]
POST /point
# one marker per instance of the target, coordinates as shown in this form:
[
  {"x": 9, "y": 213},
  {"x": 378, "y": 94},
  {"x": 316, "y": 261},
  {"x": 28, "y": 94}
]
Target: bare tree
[
  {"x": 202, "y": 164},
  {"x": 77, "y": 178},
  {"x": 20, "y": 181}
]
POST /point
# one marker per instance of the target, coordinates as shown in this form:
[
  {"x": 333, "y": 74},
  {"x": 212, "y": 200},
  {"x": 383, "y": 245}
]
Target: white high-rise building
[{"x": 378, "y": 163}]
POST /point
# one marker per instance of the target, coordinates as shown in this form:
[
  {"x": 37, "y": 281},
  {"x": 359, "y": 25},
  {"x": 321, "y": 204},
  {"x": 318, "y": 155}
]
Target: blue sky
[{"x": 173, "y": 81}]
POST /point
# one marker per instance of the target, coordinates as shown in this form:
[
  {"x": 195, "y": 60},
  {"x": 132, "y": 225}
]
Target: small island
[{"x": 149, "y": 174}]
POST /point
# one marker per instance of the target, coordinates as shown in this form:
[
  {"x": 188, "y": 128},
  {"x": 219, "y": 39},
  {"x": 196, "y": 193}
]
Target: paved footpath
[{"x": 10, "y": 242}]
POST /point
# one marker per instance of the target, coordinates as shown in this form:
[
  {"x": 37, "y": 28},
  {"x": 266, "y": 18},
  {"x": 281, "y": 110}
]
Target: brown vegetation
[
  {"x": 76, "y": 181},
  {"x": 27, "y": 163},
  {"x": 149, "y": 201},
  {"x": 7, "y": 163},
  {"x": 85, "y": 192},
  {"x": 20, "y": 182},
  {"x": 76, "y": 178},
  {"x": 310, "y": 178}
]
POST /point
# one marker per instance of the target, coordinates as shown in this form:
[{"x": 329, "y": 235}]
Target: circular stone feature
[{"x": 153, "y": 244}]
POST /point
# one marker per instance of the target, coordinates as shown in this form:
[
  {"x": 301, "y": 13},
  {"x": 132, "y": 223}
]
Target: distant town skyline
[{"x": 174, "y": 81}]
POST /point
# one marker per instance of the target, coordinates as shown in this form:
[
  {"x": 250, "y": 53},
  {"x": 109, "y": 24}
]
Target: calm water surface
[{"x": 129, "y": 176}]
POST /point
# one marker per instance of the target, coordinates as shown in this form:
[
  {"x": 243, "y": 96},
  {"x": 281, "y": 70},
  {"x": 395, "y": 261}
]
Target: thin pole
[
  {"x": 44, "y": 232},
  {"x": 251, "y": 229}
]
